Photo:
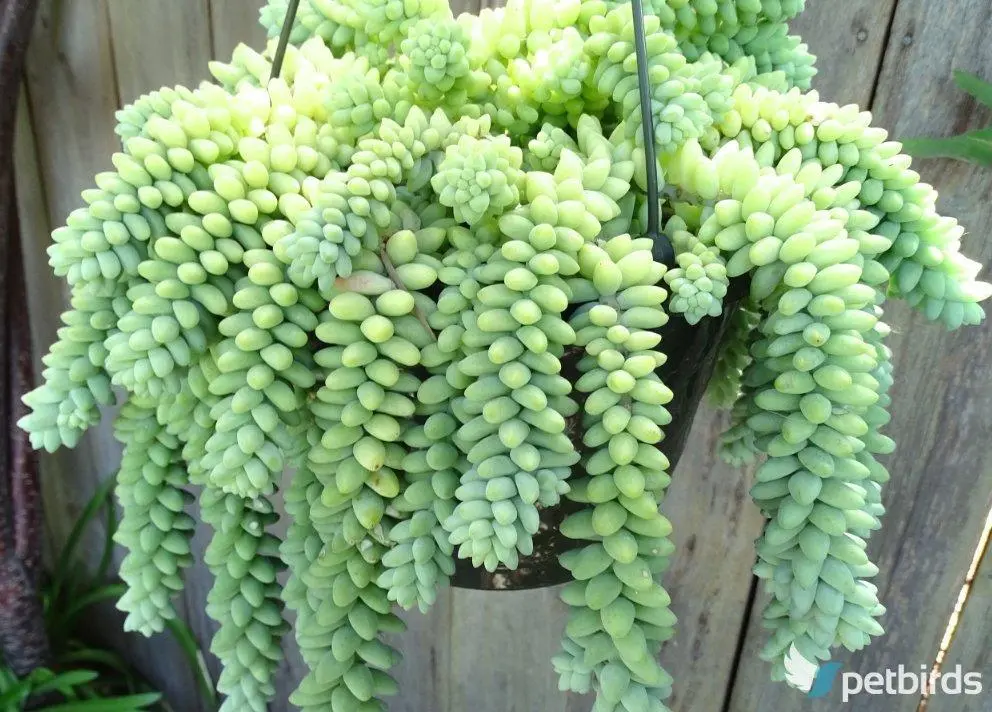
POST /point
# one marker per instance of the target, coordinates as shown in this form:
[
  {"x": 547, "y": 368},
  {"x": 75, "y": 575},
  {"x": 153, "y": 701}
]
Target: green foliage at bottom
[{"x": 85, "y": 677}]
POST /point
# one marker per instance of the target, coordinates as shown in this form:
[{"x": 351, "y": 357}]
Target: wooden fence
[{"x": 489, "y": 652}]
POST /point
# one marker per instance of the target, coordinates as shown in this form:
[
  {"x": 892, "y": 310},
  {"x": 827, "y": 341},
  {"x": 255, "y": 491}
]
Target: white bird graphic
[{"x": 799, "y": 672}]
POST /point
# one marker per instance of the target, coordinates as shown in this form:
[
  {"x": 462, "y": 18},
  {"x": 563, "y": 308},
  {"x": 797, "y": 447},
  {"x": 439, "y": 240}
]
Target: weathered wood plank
[
  {"x": 710, "y": 579},
  {"x": 848, "y": 40},
  {"x": 71, "y": 97},
  {"x": 939, "y": 502},
  {"x": 489, "y": 653},
  {"x": 499, "y": 645},
  {"x": 501, "y": 649},
  {"x": 163, "y": 44},
  {"x": 71, "y": 85},
  {"x": 460, "y": 6},
  {"x": 424, "y": 674},
  {"x": 712, "y": 523},
  {"x": 941, "y": 489},
  {"x": 233, "y": 22},
  {"x": 970, "y": 647},
  {"x": 44, "y": 290}
]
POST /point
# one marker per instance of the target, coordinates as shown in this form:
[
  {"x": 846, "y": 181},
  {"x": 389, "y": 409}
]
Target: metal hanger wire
[
  {"x": 662, "y": 250},
  {"x": 287, "y": 30}
]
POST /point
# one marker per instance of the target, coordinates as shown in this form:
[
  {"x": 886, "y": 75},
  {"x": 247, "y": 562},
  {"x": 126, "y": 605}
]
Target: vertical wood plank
[
  {"x": 848, "y": 40},
  {"x": 44, "y": 289},
  {"x": 233, "y": 22},
  {"x": 499, "y": 645},
  {"x": 714, "y": 519},
  {"x": 942, "y": 486},
  {"x": 970, "y": 647},
  {"x": 71, "y": 99},
  {"x": 710, "y": 579},
  {"x": 501, "y": 649},
  {"x": 487, "y": 653},
  {"x": 941, "y": 489},
  {"x": 460, "y": 6},
  {"x": 72, "y": 90},
  {"x": 73, "y": 96},
  {"x": 44, "y": 292},
  {"x": 424, "y": 674},
  {"x": 159, "y": 44}
]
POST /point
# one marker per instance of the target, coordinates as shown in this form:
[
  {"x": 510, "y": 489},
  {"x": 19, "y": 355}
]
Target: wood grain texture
[
  {"x": 163, "y": 44},
  {"x": 970, "y": 648},
  {"x": 710, "y": 579},
  {"x": 427, "y": 646},
  {"x": 460, "y": 6},
  {"x": 70, "y": 88},
  {"x": 499, "y": 645},
  {"x": 501, "y": 649},
  {"x": 71, "y": 82},
  {"x": 73, "y": 95},
  {"x": 44, "y": 290},
  {"x": 233, "y": 22},
  {"x": 713, "y": 522},
  {"x": 941, "y": 488},
  {"x": 848, "y": 40}
]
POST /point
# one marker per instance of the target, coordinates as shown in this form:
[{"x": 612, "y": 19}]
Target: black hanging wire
[
  {"x": 662, "y": 250},
  {"x": 287, "y": 30}
]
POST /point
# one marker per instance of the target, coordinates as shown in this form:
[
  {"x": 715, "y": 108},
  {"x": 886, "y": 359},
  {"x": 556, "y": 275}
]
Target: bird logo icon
[{"x": 799, "y": 672}]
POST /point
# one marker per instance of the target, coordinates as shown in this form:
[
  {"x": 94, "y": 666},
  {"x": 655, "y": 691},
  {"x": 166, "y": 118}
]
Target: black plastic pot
[{"x": 692, "y": 352}]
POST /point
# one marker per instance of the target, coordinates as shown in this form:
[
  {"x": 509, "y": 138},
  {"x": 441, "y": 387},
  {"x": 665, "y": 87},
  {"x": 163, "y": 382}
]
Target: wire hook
[
  {"x": 287, "y": 30},
  {"x": 662, "y": 249}
]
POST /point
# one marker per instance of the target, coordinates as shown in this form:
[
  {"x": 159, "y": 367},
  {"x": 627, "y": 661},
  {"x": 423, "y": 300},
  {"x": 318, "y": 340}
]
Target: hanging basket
[{"x": 692, "y": 352}]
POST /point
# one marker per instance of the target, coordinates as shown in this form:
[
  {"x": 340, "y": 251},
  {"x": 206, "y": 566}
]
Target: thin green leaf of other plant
[{"x": 973, "y": 146}]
